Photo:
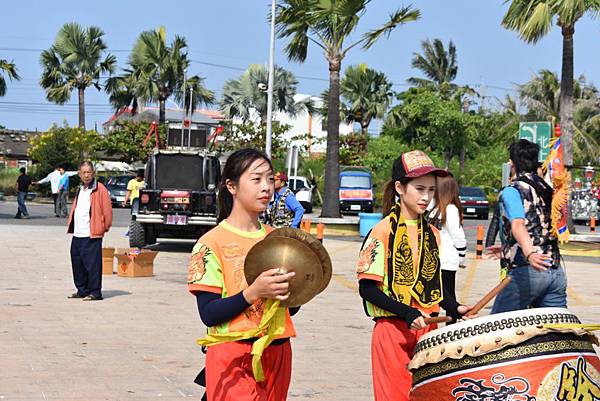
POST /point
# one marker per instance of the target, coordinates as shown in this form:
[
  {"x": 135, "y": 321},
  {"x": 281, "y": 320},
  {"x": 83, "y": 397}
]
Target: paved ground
[{"x": 138, "y": 344}]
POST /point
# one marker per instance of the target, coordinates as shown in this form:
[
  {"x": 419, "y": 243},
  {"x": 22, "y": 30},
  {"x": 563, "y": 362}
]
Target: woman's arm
[
  {"x": 369, "y": 291},
  {"x": 456, "y": 231},
  {"x": 215, "y": 310}
]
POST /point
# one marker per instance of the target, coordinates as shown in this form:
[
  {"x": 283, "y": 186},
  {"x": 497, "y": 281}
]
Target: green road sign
[{"x": 539, "y": 132}]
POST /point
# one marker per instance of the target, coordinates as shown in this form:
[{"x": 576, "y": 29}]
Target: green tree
[
  {"x": 252, "y": 135},
  {"x": 426, "y": 118},
  {"x": 62, "y": 146},
  {"x": 10, "y": 69},
  {"x": 353, "y": 148},
  {"x": 156, "y": 72},
  {"x": 75, "y": 62},
  {"x": 328, "y": 24},
  {"x": 126, "y": 141},
  {"x": 437, "y": 64},
  {"x": 366, "y": 94},
  {"x": 533, "y": 19},
  {"x": 245, "y": 95}
]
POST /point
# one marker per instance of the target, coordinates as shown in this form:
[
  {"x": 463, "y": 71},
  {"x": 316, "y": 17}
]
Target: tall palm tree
[
  {"x": 156, "y": 72},
  {"x": 533, "y": 19},
  {"x": 328, "y": 24},
  {"x": 75, "y": 62},
  {"x": 11, "y": 72},
  {"x": 437, "y": 64},
  {"x": 244, "y": 97},
  {"x": 366, "y": 95},
  {"x": 542, "y": 96}
]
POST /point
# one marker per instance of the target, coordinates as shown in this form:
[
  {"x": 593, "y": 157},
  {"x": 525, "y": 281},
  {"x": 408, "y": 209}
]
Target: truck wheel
[
  {"x": 137, "y": 236},
  {"x": 150, "y": 235}
]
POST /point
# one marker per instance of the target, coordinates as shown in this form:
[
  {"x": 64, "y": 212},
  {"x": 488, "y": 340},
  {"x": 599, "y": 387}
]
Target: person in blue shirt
[
  {"x": 284, "y": 210},
  {"x": 529, "y": 248},
  {"x": 63, "y": 193}
]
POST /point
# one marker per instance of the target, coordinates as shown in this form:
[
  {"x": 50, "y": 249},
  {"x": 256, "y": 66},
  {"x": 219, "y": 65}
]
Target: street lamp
[{"x": 270, "y": 84}]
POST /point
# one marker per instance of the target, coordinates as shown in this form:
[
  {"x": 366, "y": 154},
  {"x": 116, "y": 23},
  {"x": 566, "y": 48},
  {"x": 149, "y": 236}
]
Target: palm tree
[
  {"x": 533, "y": 19},
  {"x": 438, "y": 64},
  {"x": 366, "y": 94},
  {"x": 74, "y": 62},
  {"x": 542, "y": 96},
  {"x": 328, "y": 24},
  {"x": 156, "y": 72},
  {"x": 245, "y": 97},
  {"x": 11, "y": 72}
]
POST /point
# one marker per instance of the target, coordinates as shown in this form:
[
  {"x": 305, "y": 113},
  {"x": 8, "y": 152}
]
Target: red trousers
[
  {"x": 229, "y": 374},
  {"x": 392, "y": 348}
]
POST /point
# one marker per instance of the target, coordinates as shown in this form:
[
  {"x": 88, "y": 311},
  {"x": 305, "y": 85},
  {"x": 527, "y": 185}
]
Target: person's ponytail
[
  {"x": 389, "y": 197},
  {"x": 224, "y": 202}
]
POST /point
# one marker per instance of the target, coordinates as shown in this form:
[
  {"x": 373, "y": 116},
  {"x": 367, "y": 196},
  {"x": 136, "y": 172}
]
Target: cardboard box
[
  {"x": 108, "y": 260},
  {"x": 134, "y": 262}
]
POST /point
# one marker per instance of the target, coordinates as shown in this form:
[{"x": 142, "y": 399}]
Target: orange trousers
[
  {"x": 392, "y": 348},
  {"x": 229, "y": 374}
]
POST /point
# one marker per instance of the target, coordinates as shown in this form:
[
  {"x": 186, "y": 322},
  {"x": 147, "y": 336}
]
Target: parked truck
[
  {"x": 356, "y": 190},
  {"x": 179, "y": 199}
]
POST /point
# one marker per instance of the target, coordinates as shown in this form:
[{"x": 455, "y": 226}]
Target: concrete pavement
[{"x": 138, "y": 344}]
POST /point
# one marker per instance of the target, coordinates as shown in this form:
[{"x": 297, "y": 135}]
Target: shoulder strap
[{"x": 541, "y": 188}]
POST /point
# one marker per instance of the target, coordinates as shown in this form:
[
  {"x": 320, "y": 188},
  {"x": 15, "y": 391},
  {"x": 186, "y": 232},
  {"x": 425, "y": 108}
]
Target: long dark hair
[
  {"x": 447, "y": 194},
  {"x": 237, "y": 163},
  {"x": 389, "y": 194}
]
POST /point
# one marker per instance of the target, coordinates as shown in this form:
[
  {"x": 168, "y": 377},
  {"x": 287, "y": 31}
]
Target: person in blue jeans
[
  {"x": 22, "y": 187},
  {"x": 530, "y": 250}
]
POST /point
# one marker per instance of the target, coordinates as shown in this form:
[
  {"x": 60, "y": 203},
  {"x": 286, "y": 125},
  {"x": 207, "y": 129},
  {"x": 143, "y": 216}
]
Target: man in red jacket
[{"x": 90, "y": 218}]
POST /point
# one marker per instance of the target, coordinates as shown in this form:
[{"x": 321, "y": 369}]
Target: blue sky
[{"x": 227, "y": 35}]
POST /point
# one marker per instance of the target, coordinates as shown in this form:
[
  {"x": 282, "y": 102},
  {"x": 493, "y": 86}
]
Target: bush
[{"x": 8, "y": 178}]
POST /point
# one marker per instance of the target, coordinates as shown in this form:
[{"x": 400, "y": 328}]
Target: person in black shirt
[{"x": 23, "y": 183}]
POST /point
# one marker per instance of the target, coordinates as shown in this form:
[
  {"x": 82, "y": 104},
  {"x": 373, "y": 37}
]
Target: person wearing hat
[
  {"x": 284, "y": 210},
  {"x": 400, "y": 277}
]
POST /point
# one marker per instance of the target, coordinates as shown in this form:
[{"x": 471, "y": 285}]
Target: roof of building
[{"x": 15, "y": 143}]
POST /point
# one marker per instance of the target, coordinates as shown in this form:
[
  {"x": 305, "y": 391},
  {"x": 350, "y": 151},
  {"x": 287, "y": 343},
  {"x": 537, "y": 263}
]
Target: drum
[{"x": 508, "y": 356}]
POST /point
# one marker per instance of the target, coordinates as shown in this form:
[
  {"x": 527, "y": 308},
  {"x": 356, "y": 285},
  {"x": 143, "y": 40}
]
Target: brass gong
[
  {"x": 291, "y": 255},
  {"x": 314, "y": 244}
]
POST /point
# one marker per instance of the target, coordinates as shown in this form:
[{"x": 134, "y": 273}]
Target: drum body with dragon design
[{"x": 529, "y": 355}]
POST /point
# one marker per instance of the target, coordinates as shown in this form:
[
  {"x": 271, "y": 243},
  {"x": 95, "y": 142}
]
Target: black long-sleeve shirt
[
  {"x": 215, "y": 310},
  {"x": 369, "y": 291}
]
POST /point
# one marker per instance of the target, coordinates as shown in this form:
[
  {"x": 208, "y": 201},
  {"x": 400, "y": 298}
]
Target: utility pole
[
  {"x": 191, "y": 117},
  {"x": 268, "y": 139},
  {"x": 184, "y": 111}
]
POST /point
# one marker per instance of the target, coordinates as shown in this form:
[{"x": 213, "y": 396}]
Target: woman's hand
[
  {"x": 270, "y": 284},
  {"x": 463, "y": 309},
  {"x": 419, "y": 323}
]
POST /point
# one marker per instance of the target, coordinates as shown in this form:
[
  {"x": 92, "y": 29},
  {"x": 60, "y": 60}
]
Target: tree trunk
[
  {"x": 331, "y": 201},
  {"x": 81, "y": 92},
  {"x": 447, "y": 157},
  {"x": 461, "y": 164},
  {"x": 566, "y": 106},
  {"x": 162, "y": 114}
]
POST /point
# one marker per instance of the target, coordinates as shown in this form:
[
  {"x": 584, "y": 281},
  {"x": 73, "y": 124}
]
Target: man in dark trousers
[
  {"x": 90, "y": 218},
  {"x": 23, "y": 183}
]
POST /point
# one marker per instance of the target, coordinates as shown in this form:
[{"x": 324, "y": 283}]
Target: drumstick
[
  {"x": 489, "y": 296},
  {"x": 437, "y": 319}
]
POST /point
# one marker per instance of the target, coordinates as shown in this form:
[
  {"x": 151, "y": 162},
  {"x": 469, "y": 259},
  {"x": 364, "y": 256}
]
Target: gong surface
[
  {"x": 314, "y": 244},
  {"x": 292, "y": 255}
]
